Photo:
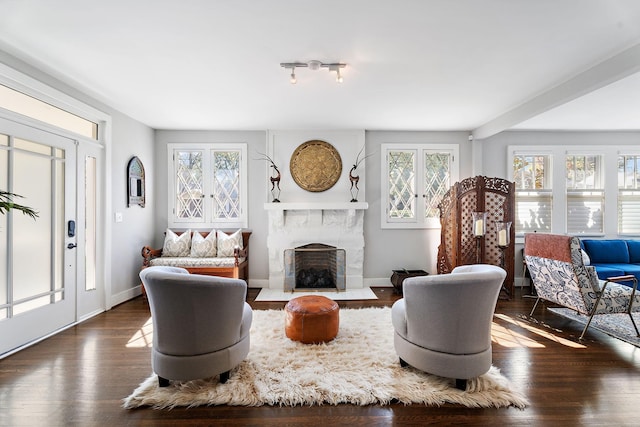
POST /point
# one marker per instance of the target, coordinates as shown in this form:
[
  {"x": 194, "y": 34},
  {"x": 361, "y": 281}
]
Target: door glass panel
[
  {"x": 90, "y": 223},
  {"x": 37, "y": 268},
  {"x": 4, "y": 163}
]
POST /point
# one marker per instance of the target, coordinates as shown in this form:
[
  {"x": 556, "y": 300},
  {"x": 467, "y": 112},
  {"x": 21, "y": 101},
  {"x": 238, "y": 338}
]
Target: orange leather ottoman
[{"x": 311, "y": 319}]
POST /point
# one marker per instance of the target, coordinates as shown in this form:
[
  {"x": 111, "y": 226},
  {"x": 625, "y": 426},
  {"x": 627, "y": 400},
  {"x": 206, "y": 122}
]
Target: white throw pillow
[
  {"x": 585, "y": 258},
  {"x": 226, "y": 242},
  {"x": 203, "y": 247},
  {"x": 176, "y": 246}
]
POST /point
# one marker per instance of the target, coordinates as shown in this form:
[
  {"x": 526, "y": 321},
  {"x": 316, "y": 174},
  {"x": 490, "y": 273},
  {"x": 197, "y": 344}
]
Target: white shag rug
[{"x": 358, "y": 367}]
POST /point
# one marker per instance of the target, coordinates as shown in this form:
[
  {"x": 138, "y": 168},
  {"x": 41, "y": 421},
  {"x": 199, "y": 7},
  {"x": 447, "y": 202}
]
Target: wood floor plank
[{"x": 80, "y": 376}]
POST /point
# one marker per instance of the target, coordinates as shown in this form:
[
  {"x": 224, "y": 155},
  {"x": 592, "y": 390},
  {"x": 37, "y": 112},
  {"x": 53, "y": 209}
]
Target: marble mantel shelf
[{"x": 291, "y": 206}]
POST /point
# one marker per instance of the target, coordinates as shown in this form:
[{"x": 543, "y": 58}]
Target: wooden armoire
[{"x": 459, "y": 245}]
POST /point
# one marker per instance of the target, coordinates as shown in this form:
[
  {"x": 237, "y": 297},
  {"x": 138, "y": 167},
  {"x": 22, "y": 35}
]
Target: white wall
[
  {"x": 130, "y": 138},
  {"x": 494, "y": 149},
  {"x": 385, "y": 250}
]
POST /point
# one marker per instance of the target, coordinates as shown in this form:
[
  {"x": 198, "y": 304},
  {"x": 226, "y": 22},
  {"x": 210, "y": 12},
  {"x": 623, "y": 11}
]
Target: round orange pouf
[{"x": 311, "y": 319}]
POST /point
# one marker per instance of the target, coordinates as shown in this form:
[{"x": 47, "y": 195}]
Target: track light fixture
[{"x": 313, "y": 65}]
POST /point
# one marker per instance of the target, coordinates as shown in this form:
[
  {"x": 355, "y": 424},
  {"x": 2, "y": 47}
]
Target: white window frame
[
  {"x": 621, "y": 192},
  {"x": 548, "y": 179},
  {"x": 597, "y": 191},
  {"x": 208, "y": 221},
  {"x": 608, "y": 174},
  {"x": 419, "y": 221}
]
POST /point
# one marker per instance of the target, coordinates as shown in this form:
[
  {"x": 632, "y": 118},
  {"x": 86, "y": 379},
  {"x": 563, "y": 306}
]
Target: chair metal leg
[
  {"x": 461, "y": 384},
  {"x": 631, "y": 300},
  {"x": 634, "y": 325},
  {"x": 593, "y": 310},
  {"x": 224, "y": 377},
  {"x": 403, "y": 363},
  {"x": 534, "y": 306},
  {"x": 163, "y": 382}
]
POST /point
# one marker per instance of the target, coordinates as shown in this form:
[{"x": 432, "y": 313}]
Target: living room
[{"x": 502, "y": 80}]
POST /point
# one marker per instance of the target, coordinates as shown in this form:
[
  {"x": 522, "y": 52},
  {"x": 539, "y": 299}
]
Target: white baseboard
[{"x": 124, "y": 296}]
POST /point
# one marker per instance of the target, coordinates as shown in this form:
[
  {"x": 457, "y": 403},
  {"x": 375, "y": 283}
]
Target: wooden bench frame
[{"x": 240, "y": 269}]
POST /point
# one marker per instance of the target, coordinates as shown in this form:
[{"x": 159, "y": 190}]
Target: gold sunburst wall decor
[{"x": 315, "y": 166}]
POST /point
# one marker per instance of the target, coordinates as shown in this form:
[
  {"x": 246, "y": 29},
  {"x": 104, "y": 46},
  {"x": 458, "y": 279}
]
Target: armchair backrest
[
  {"x": 193, "y": 314},
  {"x": 452, "y": 313},
  {"x": 558, "y": 272}
]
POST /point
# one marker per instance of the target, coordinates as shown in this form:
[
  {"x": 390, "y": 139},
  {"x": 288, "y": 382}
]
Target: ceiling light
[{"x": 314, "y": 65}]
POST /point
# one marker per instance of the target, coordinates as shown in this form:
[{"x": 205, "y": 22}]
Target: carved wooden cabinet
[{"x": 459, "y": 245}]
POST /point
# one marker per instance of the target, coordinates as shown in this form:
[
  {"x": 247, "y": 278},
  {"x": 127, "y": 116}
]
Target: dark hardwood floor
[{"x": 80, "y": 376}]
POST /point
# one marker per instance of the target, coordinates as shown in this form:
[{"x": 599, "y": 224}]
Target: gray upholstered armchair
[
  {"x": 200, "y": 323},
  {"x": 443, "y": 323}
]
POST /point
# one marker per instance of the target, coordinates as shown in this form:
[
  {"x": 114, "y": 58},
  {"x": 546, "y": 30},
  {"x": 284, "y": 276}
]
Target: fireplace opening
[{"x": 315, "y": 266}]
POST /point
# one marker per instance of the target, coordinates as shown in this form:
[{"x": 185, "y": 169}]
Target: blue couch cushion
[
  {"x": 626, "y": 269},
  {"x": 605, "y": 271},
  {"x": 607, "y": 251},
  {"x": 634, "y": 250}
]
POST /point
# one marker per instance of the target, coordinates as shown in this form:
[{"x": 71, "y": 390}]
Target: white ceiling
[{"x": 481, "y": 66}]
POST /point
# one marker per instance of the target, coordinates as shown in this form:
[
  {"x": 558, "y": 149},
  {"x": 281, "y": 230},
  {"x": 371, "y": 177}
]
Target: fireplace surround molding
[{"x": 338, "y": 224}]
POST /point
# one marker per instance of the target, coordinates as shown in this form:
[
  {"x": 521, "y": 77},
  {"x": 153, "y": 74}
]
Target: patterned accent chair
[
  {"x": 443, "y": 324},
  {"x": 200, "y": 323},
  {"x": 560, "y": 276}
]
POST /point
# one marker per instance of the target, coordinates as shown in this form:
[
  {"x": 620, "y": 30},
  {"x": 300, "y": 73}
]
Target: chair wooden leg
[
  {"x": 224, "y": 377},
  {"x": 461, "y": 384},
  {"x": 163, "y": 382}
]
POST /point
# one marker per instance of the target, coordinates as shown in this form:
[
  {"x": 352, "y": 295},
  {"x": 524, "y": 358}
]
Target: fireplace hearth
[{"x": 314, "y": 266}]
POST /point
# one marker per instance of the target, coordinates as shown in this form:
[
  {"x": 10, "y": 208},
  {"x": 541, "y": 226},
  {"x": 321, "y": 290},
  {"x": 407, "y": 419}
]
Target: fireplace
[
  {"x": 315, "y": 266},
  {"x": 294, "y": 225}
]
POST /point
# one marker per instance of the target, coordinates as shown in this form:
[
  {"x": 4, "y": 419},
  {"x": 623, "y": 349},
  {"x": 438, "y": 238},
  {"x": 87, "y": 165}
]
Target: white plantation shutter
[
  {"x": 629, "y": 212},
  {"x": 533, "y": 210},
  {"x": 585, "y": 211}
]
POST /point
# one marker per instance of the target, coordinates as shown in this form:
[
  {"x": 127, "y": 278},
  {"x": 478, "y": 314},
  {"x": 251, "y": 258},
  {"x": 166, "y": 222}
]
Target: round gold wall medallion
[{"x": 315, "y": 166}]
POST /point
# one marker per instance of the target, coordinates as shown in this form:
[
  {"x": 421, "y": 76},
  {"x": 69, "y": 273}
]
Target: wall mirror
[{"x": 135, "y": 183}]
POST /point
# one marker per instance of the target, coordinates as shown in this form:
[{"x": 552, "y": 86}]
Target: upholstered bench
[{"x": 312, "y": 319}]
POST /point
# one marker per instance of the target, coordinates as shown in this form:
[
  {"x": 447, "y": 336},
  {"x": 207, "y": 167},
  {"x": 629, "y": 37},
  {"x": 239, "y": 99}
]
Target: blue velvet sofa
[{"x": 612, "y": 258}]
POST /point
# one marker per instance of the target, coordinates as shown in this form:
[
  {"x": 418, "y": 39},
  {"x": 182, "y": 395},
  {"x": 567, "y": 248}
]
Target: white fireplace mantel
[{"x": 290, "y": 206}]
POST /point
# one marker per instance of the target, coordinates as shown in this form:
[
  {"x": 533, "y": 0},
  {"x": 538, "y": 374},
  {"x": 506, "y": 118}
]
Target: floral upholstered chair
[{"x": 559, "y": 275}]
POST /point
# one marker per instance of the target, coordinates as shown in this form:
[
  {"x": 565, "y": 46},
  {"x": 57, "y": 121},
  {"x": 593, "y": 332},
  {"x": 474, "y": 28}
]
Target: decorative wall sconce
[{"x": 313, "y": 65}]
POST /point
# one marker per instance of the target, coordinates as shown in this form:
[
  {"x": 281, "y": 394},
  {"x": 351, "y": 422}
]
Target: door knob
[{"x": 71, "y": 245}]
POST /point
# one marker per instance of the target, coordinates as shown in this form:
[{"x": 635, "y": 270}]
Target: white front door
[{"x": 38, "y": 257}]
